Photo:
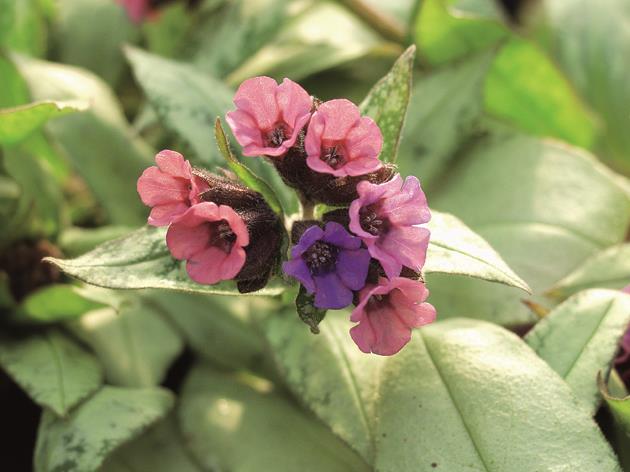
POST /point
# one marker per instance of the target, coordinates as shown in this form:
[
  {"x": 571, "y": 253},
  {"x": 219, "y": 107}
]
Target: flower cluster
[
  {"x": 367, "y": 251},
  {"x": 223, "y": 230}
]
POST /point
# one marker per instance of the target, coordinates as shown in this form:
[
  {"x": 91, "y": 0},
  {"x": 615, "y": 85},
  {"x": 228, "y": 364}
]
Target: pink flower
[
  {"x": 340, "y": 142},
  {"x": 211, "y": 239},
  {"x": 137, "y": 10},
  {"x": 170, "y": 188},
  {"x": 385, "y": 217},
  {"x": 387, "y": 313},
  {"x": 269, "y": 117}
]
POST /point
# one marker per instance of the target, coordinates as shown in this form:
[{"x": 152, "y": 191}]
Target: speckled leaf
[
  {"x": 329, "y": 375},
  {"x": 19, "y": 122},
  {"x": 491, "y": 403},
  {"x": 53, "y": 370},
  {"x": 142, "y": 260},
  {"x": 132, "y": 341},
  {"x": 460, "y": 377},
  {"x": 160, "y": 449},
  {"x": 192, "y": 111},
  {"x": 112, "y": 417},
  {"x": 98, "y": 142},
  {"x": 456, "y": 249},
  {"x": 609, "y": 268},
  {"x": 387, "y": 103},
  {"x": 244, "y": 426},
  {"x": 306, "y": 310},
  {"x": 518, "y": 193},
  {"x": 581, "y": 337}
]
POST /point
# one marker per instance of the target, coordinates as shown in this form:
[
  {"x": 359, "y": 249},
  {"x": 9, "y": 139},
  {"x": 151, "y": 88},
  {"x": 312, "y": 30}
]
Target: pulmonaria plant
[{"x": 368, "y": 252}]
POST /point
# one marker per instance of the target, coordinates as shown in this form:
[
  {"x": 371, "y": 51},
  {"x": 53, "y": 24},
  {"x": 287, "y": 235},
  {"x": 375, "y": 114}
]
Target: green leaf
[
  {"x": 244, "y": 173},
  {"x": 220, "y": 330},
  {"x": 39, "y": 191},
  {"x": 306, "y": 310},
  {"x": 609, "y": 268},
  {"x": 112, "y": 159},
  {"x": 56, "y": 303},
  {"x": 230, "y": 425},
  {"x": 94, "y": 45},
  {"x": 320, "y": 36},
  {"x": 456, "y": 249},
  {"x": 460, "y": 377},
  {"x": 132, "y": 341},
  {"x": 228, "y": 38},
  {"x": 581, "y": 337},
  {"x": 19, "y": 122},
  {"x": 445, "y": 32},
  {"x": 142, "y": 260},
  {"x": 525, "y": 87},
  {"x": 192, "y": 111},
  {"x": 75, "y": 240},
  {"x": 387, "y": 103},
  {"x": 112, "y": 417},
  {"x": 53, "y": 370},
  {"x": 166, "y": 34},
  {"x": 578, "y": 34},
  {"x": 25, "y": 28},
  {"x": 6, "y": 297},
  {"x": 529, "y": 220},
  {"x": 443, "y": 114},
  {"x": 619, "y": 407},
  {"x": 160, "y": 449},
  {"x": 329, "y": 374}
]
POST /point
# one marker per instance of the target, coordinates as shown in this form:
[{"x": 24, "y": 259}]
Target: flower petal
[
  {"x": 257, "y": 97},
  {"x": 298, "y": 269},
  {"x": 352, "y": 267},
  {"x": 331, "y": 292}
]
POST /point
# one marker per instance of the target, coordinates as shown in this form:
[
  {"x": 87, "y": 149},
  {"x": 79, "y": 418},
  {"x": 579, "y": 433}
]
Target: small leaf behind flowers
[{"x": 307, "y": 311}]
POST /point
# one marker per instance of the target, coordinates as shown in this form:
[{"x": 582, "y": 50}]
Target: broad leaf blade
[
  {"x": 518, "y": 193},
  {"x": 54, "y": 371},
  {"x": 132, "y": 341},
  {"x": 56, "y": 303},
  {"x": 84, "y": 439},
  {"x": 190, "y": 112},
  {"x": 142, "y": 260},
  {"x": 387, "y": 103},
  {"x": 456, "y": 249},
  {"x": 19, "y": 122},
  {"x": 461, "y": 376},
  {"x": 581, "y": 337},
  {"x": 609, "y": 268},
  {"x": 230, "y": 425},
  {"x": 112, "y": 159}
]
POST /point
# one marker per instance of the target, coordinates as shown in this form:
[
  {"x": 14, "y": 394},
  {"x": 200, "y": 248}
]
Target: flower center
[
  {"x": 277, "y": 135},
  {"x": 222, "y": 236},
  {"x": 377, "y": 302},
  {"x": 321, "y": 257},
  {"x": 333, "y": 156},
  {"x": 371, "y": 222}
]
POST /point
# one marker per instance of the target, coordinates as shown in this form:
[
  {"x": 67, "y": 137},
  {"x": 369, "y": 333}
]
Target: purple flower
[
  {"x": 386, "y": 216},
  {"x": 330, "y": 263}
]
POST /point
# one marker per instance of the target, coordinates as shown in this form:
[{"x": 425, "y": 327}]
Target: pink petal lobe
[
  {"x": 257, "y": 97},
  {"x": 156, "y": 188},
  {"x": 339, "y": 117},
  {"x": 173, "y": 163},
  {"x": 163, "y": 215},
  {"x": 295, "y": 105},
  {"x": 184, "y": 241}
]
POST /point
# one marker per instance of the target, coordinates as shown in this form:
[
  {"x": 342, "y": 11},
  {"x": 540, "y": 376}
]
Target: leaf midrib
[
  {"x": 520, "y": 283},
  {"x": 59, "y": 368},
  {"x": 452, "y": 398}
]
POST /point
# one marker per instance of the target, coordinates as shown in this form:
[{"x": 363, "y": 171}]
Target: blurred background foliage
[{"x": 517, "y": 124}]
